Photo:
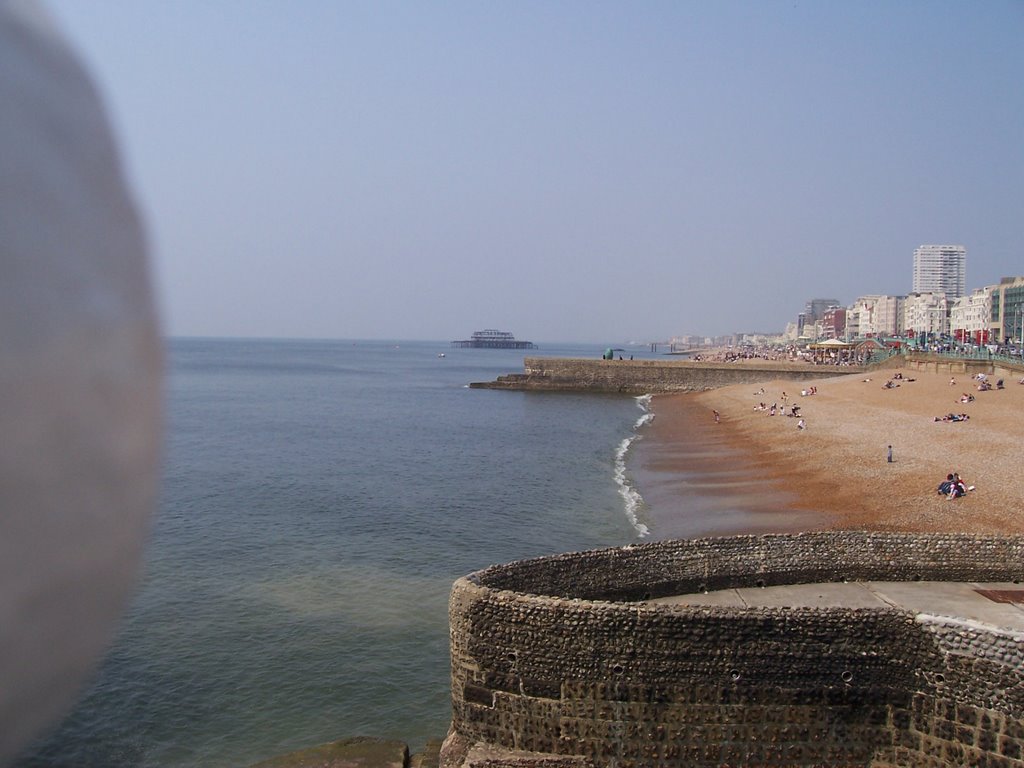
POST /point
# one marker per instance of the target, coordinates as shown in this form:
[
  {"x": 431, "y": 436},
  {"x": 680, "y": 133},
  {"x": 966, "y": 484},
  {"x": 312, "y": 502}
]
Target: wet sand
[{"x": 758, "y": 473}]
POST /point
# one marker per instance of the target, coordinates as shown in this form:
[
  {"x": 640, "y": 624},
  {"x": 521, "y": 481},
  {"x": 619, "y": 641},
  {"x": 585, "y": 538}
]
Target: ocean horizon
[{"x": 319, "y": 497}]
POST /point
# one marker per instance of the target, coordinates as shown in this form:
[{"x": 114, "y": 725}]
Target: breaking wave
[{"x": 631, "y": 497}]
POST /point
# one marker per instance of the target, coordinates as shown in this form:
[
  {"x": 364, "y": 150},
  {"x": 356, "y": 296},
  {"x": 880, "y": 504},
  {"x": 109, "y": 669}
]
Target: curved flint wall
[{"x": 560, "y": 655}]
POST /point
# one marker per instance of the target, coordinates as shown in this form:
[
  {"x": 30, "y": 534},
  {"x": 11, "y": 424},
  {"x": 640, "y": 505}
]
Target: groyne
[
  {"x": 564, "y": 661},
  {"x": 637, "y": 377},
  {"x": 553, "y": 374}
]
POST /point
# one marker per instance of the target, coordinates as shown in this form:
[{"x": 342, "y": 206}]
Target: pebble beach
[{"x": 835, "y": 472}]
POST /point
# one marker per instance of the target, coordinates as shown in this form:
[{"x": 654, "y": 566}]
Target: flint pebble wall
[{"x": 560, "y": 656}]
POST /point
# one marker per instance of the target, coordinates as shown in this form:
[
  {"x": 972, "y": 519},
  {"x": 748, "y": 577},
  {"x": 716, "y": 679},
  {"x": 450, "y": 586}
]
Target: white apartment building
[
  {"x": 873, "y": 316},
  {"x": 888, "y": 316},
  {"x": 940, "y": 269},
  {"x": 971, "y": 316},
  {"x": 926, "y": 313}
]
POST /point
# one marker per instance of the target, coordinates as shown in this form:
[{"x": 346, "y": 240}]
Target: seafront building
[
  {"x": 833, "y": 323},
  {"x": 1007, "y": 321},
  {"x": 986, "y": 316},
  {"x": 808, "y": 322},
  {"x": 816, "y": 308},
  {"x": 970, "y": 316},
  {"x": 926, "y": 313},
  {"x": 940, "y": 269},
  {"x": 871, "y": 316}
]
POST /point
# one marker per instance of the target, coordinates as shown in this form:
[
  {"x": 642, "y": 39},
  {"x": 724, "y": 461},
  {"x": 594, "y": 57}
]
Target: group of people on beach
[
  {"x": 953, "y": 487},
  {"x": 891, "y": 383},
  {"x": 984, "y": 385},
  {"x": 775, "y": 408}
]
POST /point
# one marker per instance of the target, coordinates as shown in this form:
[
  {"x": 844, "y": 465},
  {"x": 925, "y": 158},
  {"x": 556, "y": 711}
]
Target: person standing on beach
[{"x": 718, "y": 417}]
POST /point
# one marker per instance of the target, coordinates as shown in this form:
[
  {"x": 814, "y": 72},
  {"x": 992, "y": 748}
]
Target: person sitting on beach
[
  {"x": 771, "y": 411},
  {"x": 956, "y": 488},
  {"x": 999, "y": 384},
  {"x": 946, "y": 485},
  {"x": 966, "y": 398},
  {"x": 794, "y": 410},
  {"x": 952, "y": 381},
  {"x": 801, "y": 424}
]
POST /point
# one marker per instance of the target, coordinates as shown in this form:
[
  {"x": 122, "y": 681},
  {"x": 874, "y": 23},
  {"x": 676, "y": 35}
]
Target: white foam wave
[{"x": 630, "y": 495}]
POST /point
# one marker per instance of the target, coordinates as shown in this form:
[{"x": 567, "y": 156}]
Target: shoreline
[
  {"x": 696, "y": 481},
  {"x": 755, "y": 473}
]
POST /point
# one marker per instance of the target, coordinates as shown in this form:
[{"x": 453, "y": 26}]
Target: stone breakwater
[
  {"x": 639, "y": 377},
  {"x": 561, "y": 660}
]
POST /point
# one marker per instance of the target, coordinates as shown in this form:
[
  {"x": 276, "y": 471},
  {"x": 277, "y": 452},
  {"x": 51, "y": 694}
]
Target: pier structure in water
[{"x": 492, "y": 339}]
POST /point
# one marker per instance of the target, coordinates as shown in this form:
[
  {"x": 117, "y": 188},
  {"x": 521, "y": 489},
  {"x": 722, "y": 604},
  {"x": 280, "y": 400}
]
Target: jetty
[{"x": 492, "y": 339}]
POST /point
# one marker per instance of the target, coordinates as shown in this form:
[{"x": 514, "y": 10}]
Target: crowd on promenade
[
  {"x": 842, "y": 355},
  {"x": 789, "y": 353},
  {"x": 737, "y": 354}
]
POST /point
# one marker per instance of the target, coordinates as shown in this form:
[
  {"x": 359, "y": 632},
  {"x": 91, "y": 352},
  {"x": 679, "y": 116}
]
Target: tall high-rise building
[
  {"x": 940, "y": 269},
  {"x": 816, "y": 308}
]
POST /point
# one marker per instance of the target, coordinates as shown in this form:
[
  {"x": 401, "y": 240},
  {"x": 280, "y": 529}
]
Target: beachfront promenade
[{"x": 637, "y": 377}]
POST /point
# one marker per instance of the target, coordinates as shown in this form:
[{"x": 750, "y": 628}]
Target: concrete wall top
[{"x": 642, "y": 571}]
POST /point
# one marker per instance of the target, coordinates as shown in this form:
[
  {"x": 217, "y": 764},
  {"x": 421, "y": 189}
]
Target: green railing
[{"x": 1013, "y": 361}]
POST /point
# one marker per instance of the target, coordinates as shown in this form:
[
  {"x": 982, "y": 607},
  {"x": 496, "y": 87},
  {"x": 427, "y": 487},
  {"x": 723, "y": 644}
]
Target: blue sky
[{"x": 567, "y": 171}]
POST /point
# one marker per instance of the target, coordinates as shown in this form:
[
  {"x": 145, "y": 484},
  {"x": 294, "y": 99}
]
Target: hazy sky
[{"x": 567, "y": 171}]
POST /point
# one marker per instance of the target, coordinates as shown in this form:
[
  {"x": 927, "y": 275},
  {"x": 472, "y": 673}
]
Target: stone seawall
[
  {"x": 1000, "y": 369},
  {"x": 639, "y": 377},
  {"x": 561, "y": 657}
]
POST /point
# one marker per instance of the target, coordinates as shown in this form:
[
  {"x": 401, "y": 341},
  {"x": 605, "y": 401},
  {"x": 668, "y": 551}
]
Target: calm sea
[{"x": 319, "y": 498}]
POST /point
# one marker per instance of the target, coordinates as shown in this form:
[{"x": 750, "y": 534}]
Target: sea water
[{"x": 318, "y": 500}]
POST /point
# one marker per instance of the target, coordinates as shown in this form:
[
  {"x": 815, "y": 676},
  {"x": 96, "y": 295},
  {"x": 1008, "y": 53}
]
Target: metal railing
[{"x": 982, "y": 355}]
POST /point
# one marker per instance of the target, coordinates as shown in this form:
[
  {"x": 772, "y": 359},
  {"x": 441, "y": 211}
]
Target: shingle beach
[{"x": 835, "y": 472}]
